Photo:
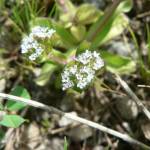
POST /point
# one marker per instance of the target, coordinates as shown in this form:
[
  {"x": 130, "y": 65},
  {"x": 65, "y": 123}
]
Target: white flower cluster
[
  {"x": 91, "y": 57},
  {"x": 83, "y": 71},
  {"x": 31, "y": 45},
  {"x": 42, "y": 32}
]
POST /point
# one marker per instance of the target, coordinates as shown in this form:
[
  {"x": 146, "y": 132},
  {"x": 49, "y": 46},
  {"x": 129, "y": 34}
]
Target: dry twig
[
  {"x": 133, "y": 96},
  {"x": 144, "y": 86},
  {"x": 92, "y": 124}
]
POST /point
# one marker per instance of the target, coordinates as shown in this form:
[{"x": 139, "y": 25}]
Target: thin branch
[
  {"x": 102, "y": 128},
  {"x": 133, "y": 96}
]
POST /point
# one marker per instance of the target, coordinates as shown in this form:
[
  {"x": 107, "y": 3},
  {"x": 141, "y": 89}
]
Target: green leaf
[
  {"x": 125, "y": 6},
  {"x": 119, "y": 24},
  {"x": 78, "y": 32},
  {"x": 67, "y": 11},
  {"x": 12, "y": 121},
  {"x": 65, "y": 35},
  {"x": 87, "y": 14},
  {"x": 47, "y": 69},
  {"x": 40, "y": 21},
  {"x": 83, "y": 45},
  {"x": 21, "y": 92},
  {"x": 65, "y": 144},
  {"x": 103, "y": 25},
  {"x": 118, "y": 64},
  {"x": 99, "y": 38},
  {"x": 114, "y": 27}
]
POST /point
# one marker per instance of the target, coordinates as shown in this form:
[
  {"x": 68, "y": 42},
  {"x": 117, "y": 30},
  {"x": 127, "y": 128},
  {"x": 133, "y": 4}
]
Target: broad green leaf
[
  {"x": 103, "y": 25},
  {"x": 100, "y": 36},
  {"x": 120, "y": 23},
  {"x": 47, "y": 70},
  {"x": 87, "y": 14},
  {"x": 66, "y": 14},
  {"x": 21, "y": 92},
  {"x": 126, "y": 6},
  {"x": 67, "y": 11},
  {"x": 65, "y": 35},
  {"x": 12, "y": 121},
  {"x": 118, "y": 64},
  {"x": 78, "y": 32}
]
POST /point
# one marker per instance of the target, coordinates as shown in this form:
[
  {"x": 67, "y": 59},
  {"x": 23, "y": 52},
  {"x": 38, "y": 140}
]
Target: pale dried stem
[
  {"x": 133, "y": 96},
  {"x": 144, "y": 86},
  {"x": 92, "y": 124}
]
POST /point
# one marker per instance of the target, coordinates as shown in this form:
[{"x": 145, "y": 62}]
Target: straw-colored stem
[{"x": 92, "y": 124}]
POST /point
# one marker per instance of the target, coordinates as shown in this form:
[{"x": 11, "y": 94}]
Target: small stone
[
  {"x": 146, "y": 130},
  {"x": 99, "y": 147},
  {"x": 127, "y": 108},
  {"x": 80, "y": 133},
  {"x": 65, "y": 121},
  {"x": 123, "y": 49}
]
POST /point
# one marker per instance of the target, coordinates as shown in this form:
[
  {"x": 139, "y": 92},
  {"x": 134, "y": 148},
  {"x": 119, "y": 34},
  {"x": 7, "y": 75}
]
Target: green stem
[
  {"x": 107, "y": 15},
  {"x": 57, "y": 57}
]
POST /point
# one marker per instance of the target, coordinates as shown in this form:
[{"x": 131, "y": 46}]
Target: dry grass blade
[{"x": 92, "y": 124}]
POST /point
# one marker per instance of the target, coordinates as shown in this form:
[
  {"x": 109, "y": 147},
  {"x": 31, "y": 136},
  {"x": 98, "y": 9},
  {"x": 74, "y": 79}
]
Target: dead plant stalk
[
  {"x": 133, "y": 96},
  {"x": 92, "y": 124}
]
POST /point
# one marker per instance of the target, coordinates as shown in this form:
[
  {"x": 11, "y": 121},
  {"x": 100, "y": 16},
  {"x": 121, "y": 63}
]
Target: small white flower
[
  {"x": 33, "y": 56},
  {"x": 84, "y": 77},
  {"x": 73, "y": 69},
  {"x": 95, "y": 54},
  {"x": 67, "y": 83},
  {"x": 92, "y": 58},
  {"x": 84, "y": 58},
  {"x": 30, "y": 44},
  {"x": 82, "y": 73},
  {"x": 42, "y": 32},
  {"x": 99, "y": 63},
  {"x": 39, "y": 51},
  {"x": 87, "y": 70},
  {"x": 79, "y": 76}
]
